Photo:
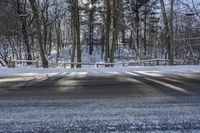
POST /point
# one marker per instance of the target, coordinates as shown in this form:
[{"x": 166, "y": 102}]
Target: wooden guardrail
[
  {"x": 110, "y": 64},
  {"x": 150, "y": 62},
  {"x": 12, "y": 63},
  {"x": 179, "y": 62},
  {"x": 65, "y": 64}
]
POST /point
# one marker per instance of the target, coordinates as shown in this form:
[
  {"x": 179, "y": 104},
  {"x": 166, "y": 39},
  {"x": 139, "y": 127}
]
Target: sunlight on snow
[
  {"x": 113, "y": 72},
  {"x": 78, "y": 73},
  {"x": 154, "y": 74},
  {"x": 169, "y": 85},
  {"x": 131, "y": 73},
  {"x": 10, "y": 79}
]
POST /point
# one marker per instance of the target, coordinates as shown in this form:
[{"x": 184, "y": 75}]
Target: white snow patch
[{"x": 147, "y": 70}]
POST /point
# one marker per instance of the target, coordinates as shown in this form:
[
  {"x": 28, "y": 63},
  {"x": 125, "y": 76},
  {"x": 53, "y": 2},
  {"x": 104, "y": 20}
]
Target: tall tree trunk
[
  {"x": 131, "y": 40},
  {"x": 168, "y": 25},
  {"x": 116, "y": 8},
  {"x": 171, "y": 32},
  {"x": 123, "y": 38},
  {"x": 137, "y": 30},
  {"x": 74, "y": 41},
  {"x": 78, "y": 37},
  {"x": 75, "y": 32},
  {"x": 91, "y": 32},
  {"x": 145, "y": 30},
  {"x": 24, "y": 31},
  {"x": 123, "y": 32},
  {"x": 57, "y": 27},
  {"x": 45, "y": 34},
  {"x": 107, "y": 30},
  {"x": 50, "y": 40},
  {"x": 26, "y": 42},
  {"x": 102, "y": 41},
  {"x": 39, "y": 33}
]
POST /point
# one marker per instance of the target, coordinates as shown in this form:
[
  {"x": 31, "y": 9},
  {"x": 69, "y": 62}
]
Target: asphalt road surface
[{"x": 126, "y": 102}]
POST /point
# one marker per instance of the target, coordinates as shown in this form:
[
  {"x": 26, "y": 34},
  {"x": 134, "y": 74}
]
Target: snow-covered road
[
  {"x": 131, "y": 114},
  {"x": 129, "y": 102}
]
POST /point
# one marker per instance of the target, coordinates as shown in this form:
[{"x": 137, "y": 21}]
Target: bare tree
[
  {"x": 22, "y": 13},
  {"x": 115, "y": 28},
  {"x": 107, "y": 30},
  {"x": 75, "y": 32},
  {"x": 39, "y": 32},
  {"x": 168, "y": 24}
]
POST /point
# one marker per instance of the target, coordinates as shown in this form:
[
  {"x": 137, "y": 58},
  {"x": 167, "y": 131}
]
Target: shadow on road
[{"x": 133, "y": 84}]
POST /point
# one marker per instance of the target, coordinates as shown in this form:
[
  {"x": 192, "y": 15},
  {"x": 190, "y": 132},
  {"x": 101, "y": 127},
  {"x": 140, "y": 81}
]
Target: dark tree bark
[
  {"x": 58, "y": 34},
  {"x": 171, "y": 54},
  {"x": 107, "y": 30},
  {"x": 145, "y": 30},
  {"x": 168, "y": 24},
  {"x": 75, "y": 32},
  {"x": 39, "y": 33},
  {"x": 137, "y": 23},
  {"x": 116, "y": 11},
  {"x": 24, "y": 30}
]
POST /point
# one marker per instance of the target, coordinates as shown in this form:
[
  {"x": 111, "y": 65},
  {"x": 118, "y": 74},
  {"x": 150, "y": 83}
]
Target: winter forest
[{"x": 90, "y": 31}]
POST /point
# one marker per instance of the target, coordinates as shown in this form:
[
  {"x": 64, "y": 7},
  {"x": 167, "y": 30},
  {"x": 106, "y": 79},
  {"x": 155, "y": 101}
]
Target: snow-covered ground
[
  {"x": 97, "y": 71},
  {"x": 123, "y": 54}
]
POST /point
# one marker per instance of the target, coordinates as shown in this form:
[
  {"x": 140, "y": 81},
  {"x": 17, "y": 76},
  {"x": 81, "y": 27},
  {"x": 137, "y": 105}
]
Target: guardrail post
[
  {"x": 37, "y": 64},
  {"x": 11, "y": 64},
  {"x": 157, "y": 62}
]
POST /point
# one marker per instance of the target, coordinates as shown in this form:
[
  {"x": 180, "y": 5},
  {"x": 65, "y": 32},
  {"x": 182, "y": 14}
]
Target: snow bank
[{"x": 96, "y": 71}]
